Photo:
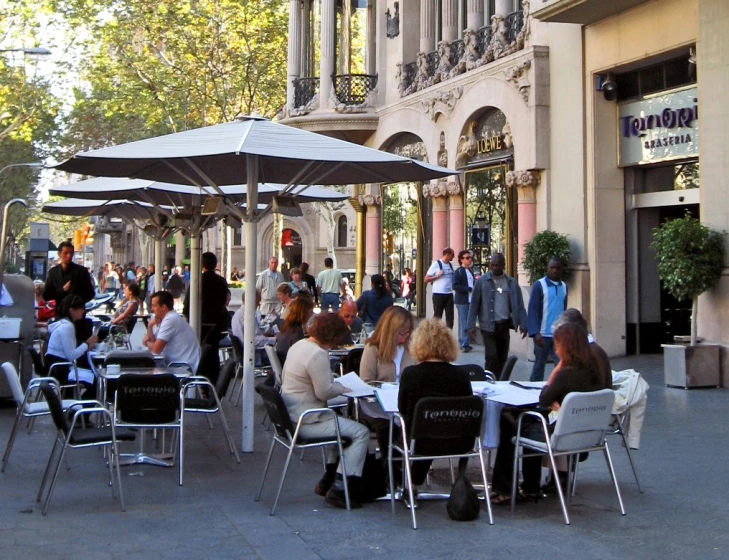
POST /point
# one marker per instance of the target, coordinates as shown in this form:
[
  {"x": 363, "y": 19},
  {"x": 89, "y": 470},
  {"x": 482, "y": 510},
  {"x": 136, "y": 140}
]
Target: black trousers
[
  {"x": 443, "y": 302},
  {"x": 496, "y": 347},
  {"x": 531, "y": 467}
]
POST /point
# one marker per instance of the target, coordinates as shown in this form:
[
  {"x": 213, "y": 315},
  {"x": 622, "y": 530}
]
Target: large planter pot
[{"x": 689, "y": 366}]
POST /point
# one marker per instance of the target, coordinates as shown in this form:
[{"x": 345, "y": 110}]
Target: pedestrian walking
[
  {"x": 331, "y": 285},
  {"x": 463, "y": 281},
  {"x": 440, "y": 274}
]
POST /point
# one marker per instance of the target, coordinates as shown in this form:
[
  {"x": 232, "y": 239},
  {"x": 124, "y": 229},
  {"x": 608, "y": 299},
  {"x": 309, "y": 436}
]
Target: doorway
[{"x": 291, "y": 247}]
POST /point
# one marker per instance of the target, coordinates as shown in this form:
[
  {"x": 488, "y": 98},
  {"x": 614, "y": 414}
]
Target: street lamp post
[{"x": 8, "y": 204}]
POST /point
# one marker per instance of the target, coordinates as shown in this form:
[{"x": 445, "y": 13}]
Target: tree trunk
[
  {"x": 224, "y": 241},
  {"x": 694, "y": 319}
]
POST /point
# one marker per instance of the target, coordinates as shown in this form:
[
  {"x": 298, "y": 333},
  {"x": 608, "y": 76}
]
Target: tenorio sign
[{"x": 659, "y": 128}]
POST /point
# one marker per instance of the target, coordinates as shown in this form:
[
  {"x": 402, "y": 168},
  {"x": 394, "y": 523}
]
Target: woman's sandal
[{"x": 499, "y": 499}]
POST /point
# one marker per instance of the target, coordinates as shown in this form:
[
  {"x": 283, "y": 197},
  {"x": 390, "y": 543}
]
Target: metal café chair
[
  {"x": 74, "y": 437},
  {"x": 581, "y": 426}
]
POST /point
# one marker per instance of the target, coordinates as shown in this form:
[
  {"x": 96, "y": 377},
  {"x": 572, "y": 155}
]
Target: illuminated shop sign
[{"x": 659, "y": 128}]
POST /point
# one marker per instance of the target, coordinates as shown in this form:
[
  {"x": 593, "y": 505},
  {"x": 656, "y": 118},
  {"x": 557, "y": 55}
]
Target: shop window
[
  {"x": 662, "y": 178},
  {"x": 342, "y": 231},
  {"x": 237, "y": 237},
  {"x": 660, "y": 77}
]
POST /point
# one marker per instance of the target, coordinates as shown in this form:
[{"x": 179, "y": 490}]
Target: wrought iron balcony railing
[{"x": 353, "y": 89}]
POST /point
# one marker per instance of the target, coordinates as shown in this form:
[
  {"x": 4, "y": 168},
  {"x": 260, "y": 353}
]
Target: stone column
[
  {"x": 438, "y": 192},
  {"x": 293, "y": 63},
  {"x": 371, "y": 51},
  {"x": 503, "y": 7},
  {"x": 449, "y": 20},
  {"x": 373, "y": 243},
  {"x": 456, "y": 213},
  {"x": 525, "y": 183},
  {"x": 427, "y": 25},
  {"x": 327, "y": 54},
  {"x": 179, "y": 248},
  {"x": 474, "y": 14}
]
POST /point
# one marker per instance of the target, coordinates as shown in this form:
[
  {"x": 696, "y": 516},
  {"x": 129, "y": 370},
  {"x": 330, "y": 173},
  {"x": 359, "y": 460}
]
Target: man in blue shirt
[{"x": 547, "y": 302}]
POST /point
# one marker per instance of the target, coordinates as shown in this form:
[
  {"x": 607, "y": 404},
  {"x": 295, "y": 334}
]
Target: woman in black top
[
  {"x": 432, "y": 344},
  {"x": 577, "y": 371},
  {"x": 372, "y": 303}
]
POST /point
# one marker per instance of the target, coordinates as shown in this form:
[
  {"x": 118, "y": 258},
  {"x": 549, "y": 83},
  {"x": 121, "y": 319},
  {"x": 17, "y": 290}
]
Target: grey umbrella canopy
[
  {"x": 254, "y": 151},
  {"x": 124, "y": 209}
]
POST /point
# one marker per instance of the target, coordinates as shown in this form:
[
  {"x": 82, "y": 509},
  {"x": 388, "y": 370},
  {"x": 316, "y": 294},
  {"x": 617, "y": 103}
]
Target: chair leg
[
  {"x": 343, "y": 465},
  {"x": 181, "y": 448},
  {"x": 514, "y": 478},
  {"x": 615, "y": 479},
  {"x": 240, "y": 393},
  {"x": 627, "y": 449},
  {"x": 283, "y": 478},
  {"x": 11, "y": 439},
  {"x": 54, "y": 479},
  {"x": 553, "y": 466},
  {"x": 408, "y": 483},
  {"x": 265, "y": 470},
  {"x": 47, "y": 471},
  {"x": 110, "y": 463},
  {"x": 115, "y": 458},
  {"x": 226, "y": 433},
  {"x": 485, "y": 486}
]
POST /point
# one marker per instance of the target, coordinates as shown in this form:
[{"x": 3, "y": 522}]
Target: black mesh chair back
[
  {"x": 130, "y": 359},
  {"x": 446, "y": 425},
  {"x": 148, "y": 399},
  {"x": 38, "y": 366},
  {"x": 352, "y": 360},
  {"x": 475, "y": 372},
  {"x": 505, "y": 374},
  {"x": 54, "y": 406},
  {"x": 237, "y": 345},
  {"x": 277, "y": 411},
  {"x": 209, "y": 364}
]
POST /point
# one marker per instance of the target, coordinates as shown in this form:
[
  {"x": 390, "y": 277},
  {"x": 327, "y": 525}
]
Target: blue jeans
[
  {"x": 462, "y": 322},
  {"x": 540, "y": 358},
  {"x": 329, "y": 301}
]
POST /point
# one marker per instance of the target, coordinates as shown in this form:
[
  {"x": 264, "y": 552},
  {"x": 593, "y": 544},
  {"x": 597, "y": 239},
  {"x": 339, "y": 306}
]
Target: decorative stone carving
[
  {"x": 506, "y": 132},
  {"x": 422, "y": 73},
  {"x": 470, "y": 57},
  {"x": 393, "y": 22},
  {"x": 369, "y": 200},
  {"x": 526, "y": 182},
  {"x": 517, "y": 75},
  {"x": 401, "y": 80},
  {"x": 434, "y": 190},
  {"x": 442, "y": 151},
  {"x": 467, "y": 145},
  {"x": 454, "y": 188},
  {"x": 442, "y": 102},
  {"x": 442, "y": 73},
  {"x": 369, "y": 102},
  {"x": 305, "y": 109}
]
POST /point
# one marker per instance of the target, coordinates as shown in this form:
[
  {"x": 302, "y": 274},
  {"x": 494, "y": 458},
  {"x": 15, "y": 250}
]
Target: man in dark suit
[
  {"x": 463, "y": 281},
  {"x": 69, "y": 278}
]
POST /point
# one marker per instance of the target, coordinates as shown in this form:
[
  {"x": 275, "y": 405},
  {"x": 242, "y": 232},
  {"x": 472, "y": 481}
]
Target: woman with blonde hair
[
  {"x": 434, "y": 346},
  {"x": 386, "y": 352}
]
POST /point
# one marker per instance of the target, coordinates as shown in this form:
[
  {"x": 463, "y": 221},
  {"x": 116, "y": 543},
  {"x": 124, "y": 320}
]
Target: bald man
[{"x": 348, "y": 312}]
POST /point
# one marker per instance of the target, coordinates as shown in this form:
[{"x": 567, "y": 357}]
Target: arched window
[{"x": 342, "y": 231}]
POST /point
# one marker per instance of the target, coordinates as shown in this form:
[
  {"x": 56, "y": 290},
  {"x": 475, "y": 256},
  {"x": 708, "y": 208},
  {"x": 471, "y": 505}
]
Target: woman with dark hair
[
  {"x": 577, "y": 371},
  {"x": 62, "y": 342},
  {"x": 125, "y": 315},
  {"x": 292, "y": 330},
  {"x": 306, "y": 382},
  {"x": 372, "y": 303}
]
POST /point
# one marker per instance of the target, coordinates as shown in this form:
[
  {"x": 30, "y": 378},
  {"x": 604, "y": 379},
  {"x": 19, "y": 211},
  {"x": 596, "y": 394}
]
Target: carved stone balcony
[
  {"x": 505, "y": 36},
  {"x": 584, "y": 12}
]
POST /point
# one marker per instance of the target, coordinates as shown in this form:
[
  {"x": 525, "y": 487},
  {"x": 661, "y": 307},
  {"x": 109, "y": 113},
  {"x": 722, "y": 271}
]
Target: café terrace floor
[{"x": 682, "y": 465}]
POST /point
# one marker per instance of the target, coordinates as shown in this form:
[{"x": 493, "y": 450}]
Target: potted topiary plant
[
  {"x": 690, "y": 260},
  {"x": 540, "y": 248}
]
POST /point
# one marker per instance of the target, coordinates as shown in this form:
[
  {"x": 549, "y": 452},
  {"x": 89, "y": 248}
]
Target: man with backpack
[{"x": 440, "y": 274}]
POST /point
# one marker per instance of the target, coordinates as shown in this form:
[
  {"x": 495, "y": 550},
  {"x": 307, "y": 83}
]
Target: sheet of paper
[
  {"x": 387, "y": 399},
  {"x": 358, "y": 388},
  {"x": 513, "y": 395},
  {"x": 529, "y": 384},
  {"x": 485, "y": 388}
]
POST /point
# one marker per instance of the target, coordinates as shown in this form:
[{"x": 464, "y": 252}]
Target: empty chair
[
  {"x": 618, "y": 428},
  {"x": 287, "y": 435},
  {"x": 128, "y": 359},
  {"x": 505, "y": 374},
  {"x": 442, "y": 427},
  {"x": 237, "y": 345},
  {"x": 582, "y": 425},
  {"x": 351, "y": 361},
  {"x": 476, "y": 372},
  {"x": 60, "y": 369},
  {"x": 74, "y": 437},
  {"x": 27, "y": 406}
]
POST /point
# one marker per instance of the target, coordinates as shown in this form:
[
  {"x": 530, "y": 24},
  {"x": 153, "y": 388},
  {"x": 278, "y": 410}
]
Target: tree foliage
[{"x": 542, "y": 247}]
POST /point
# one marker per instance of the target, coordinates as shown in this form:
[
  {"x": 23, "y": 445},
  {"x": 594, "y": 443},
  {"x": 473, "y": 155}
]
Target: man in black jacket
[
  {"x": 69, "y": 278},
  {"x": 213, "y": 293},
  {"x": 463, "y": 281}
]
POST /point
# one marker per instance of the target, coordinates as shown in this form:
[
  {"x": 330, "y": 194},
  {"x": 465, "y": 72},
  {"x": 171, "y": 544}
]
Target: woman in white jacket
[{"x": 62, "y": 344}]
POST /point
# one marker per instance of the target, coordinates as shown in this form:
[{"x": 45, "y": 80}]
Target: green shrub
[{"x": 542, "y": 247}]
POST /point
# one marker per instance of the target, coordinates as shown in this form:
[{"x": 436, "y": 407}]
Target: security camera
[{"x": 606, "y": 84}]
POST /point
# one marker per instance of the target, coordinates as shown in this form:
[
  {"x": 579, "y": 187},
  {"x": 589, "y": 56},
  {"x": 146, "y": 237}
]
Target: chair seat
[
  {"x": 201, "y": 404},
  {"x": 338, "y": 401},
  {"x": 532, "y": 444},
  {"x": 41, "y": 407},
  {"x": 313, "y": 441},
  {"x": 98, "y": 435}
]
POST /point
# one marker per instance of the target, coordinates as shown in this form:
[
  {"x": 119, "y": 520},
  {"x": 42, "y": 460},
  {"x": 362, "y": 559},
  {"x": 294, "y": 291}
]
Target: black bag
[
  {"x": 362, "y": 309},
  {"x": 374, "y": 484},
  {"x": 463, "y": 502}
]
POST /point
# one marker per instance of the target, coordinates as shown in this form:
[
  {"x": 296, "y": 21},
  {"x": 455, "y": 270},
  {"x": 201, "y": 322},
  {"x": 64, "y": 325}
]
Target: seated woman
[
  {"x": 577, "y": 371},
  {"x": 284, "y": 295},
  {"x": 125, "y": 315},
  {"x": 434, "y": 346},
  {"x": 374, "y": 302},
  {"x": 62, "y": 345},
  {"x": 307, "y": 383},
  {"x": 293, "y": 327},
  {"x": 297, "y": 282}
]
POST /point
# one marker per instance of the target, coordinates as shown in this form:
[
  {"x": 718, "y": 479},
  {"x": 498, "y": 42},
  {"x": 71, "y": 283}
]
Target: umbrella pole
[
  {"x": 195, "y": 272},
  {"x": 249, "y": 349},
  {"x": 159, "y": 247}
]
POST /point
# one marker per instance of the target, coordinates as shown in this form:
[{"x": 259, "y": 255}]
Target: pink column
[
  {"x": 527, "y": 211},
  {"x": 374, "y": 241},
  {"x": 525, "y": 183},
  {"x": 456, "y": 223},
  {"x": 440, "y": 226}
]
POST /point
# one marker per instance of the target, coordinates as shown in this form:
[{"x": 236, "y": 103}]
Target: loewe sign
[{"x": 659, "y": 128}]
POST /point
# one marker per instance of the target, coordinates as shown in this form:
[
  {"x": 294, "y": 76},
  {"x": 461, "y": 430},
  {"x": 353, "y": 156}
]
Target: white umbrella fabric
[{"x": 259, "y": 151}]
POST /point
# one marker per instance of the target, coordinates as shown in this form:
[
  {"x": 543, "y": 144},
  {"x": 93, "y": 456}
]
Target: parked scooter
[{"x": 99, "y": 300}]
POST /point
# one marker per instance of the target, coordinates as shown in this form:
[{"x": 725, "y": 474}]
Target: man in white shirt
[
  {"x": 237, "y": 327},
  {"x": 266, "y": 285},
  {"x": 169, "y": 334},
  {"x": 440, "y": 274}
]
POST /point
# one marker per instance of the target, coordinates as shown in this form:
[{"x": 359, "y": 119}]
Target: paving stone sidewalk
[{"x": 683, "y": 512}]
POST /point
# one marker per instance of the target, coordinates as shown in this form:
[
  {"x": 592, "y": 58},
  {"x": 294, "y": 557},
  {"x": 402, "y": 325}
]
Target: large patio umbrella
[{"x": 258, "y": 151}]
